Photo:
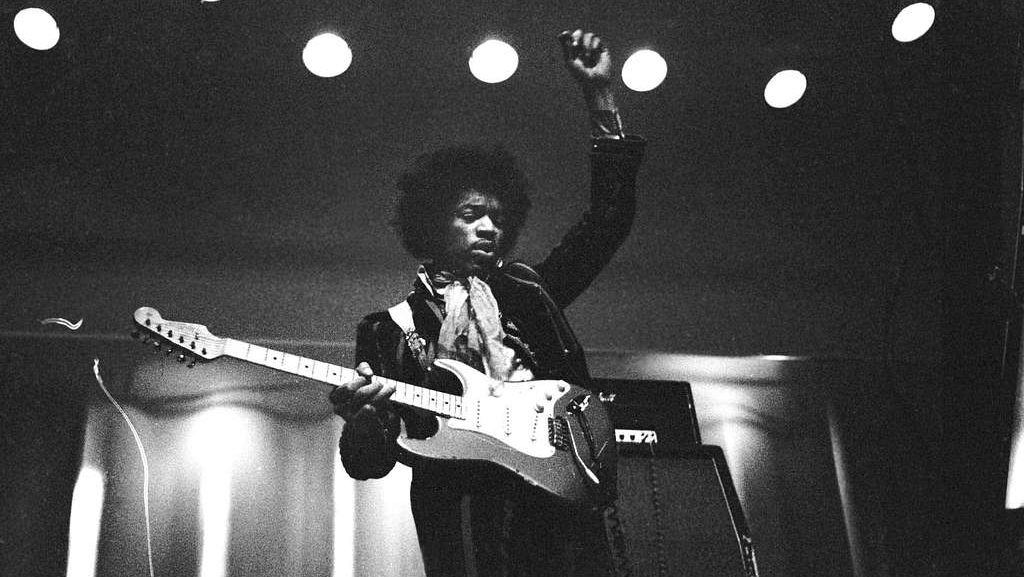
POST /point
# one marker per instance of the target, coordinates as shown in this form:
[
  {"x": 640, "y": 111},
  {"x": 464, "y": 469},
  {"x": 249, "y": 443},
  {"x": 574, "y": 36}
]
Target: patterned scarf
[{"x": 471, "y": 331}]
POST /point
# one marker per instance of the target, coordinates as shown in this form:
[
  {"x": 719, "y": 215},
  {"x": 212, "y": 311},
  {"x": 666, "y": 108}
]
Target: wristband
[{"x": 606, "y": 123}]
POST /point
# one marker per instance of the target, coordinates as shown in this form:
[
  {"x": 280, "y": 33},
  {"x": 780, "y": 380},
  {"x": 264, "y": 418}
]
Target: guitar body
[{"x": 555, "y": 436}]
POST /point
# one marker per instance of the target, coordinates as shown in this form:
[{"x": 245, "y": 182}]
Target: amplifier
[{"x": 650, "y": 416}]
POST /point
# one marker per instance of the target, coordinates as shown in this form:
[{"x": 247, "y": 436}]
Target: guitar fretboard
[{"x": 443, "y": 404}]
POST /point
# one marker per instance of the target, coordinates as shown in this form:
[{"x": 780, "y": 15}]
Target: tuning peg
[
  {"x": 191, "y": 363},
  {"x": 168, "y": 351},
  {"x": 156, "y": 346},
  {"x": 181, "y": 358}
]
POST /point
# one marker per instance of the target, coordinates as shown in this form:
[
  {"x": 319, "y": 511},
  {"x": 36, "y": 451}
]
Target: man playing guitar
[{"x": 460, "y": 210}]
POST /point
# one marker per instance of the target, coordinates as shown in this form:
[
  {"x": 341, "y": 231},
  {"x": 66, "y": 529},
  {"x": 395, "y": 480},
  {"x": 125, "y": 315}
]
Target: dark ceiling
[{"x": 190, "y": 133}]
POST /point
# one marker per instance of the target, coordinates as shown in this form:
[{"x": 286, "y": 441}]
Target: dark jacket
[{"x": 449, "y": 501}]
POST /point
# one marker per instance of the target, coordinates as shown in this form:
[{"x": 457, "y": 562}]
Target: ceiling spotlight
[
  {"x": 644, "y": 70},
  {"x": 36, "y": 28},
  {"x": 493, "y": 61},
  {"x": 913, "y": 22},
  {"x": 785, "y": 89},
  {"x": 327, "y": 55}
]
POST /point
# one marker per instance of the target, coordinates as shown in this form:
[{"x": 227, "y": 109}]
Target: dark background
[
  {"x": 189, "y": 136},
  {"x": 179, "y": 155}
]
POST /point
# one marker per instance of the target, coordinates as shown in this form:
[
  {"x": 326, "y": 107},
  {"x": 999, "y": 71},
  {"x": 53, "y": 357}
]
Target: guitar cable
[{"x": 145, "y": 464}]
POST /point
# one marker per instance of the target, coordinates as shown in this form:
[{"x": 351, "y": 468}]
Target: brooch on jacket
[{"x": 418, "y": 346}]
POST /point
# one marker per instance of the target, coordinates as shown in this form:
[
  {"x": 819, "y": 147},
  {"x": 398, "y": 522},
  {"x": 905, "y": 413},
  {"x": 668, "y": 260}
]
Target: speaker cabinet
[{"x": 680, "y": 516}]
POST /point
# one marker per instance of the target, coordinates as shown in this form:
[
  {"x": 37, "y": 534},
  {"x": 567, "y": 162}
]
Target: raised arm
[
  {"x": 614, "y": 159},
  {"x": 590, "y": 64}
]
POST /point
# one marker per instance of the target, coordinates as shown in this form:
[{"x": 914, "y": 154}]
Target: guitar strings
[{"x": 145, "y": 464}]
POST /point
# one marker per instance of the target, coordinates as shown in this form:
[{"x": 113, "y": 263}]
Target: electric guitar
[{"x": 554, "y": 435}]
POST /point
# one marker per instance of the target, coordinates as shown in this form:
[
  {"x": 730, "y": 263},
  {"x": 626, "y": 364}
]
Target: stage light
[
  {"x": 913, "y": 22},
  {"x": 493, "y": 61},
  {"x": 218, "y": 435},
  {"x": 785, "y": 89},
  {"x": 344, "y": 521},
  {"x": 36, "y": 28},
  {"x": 327, "y": 55},
  {"x": 644, "y": 70},
  {"x": 84, "y": 527},
  {"x": 1015, "y": 476},
  {"x": 218, "y": 438}
]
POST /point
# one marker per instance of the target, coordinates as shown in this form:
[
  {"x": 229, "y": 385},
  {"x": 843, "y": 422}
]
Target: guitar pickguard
[{"x": 519, "y": 418}]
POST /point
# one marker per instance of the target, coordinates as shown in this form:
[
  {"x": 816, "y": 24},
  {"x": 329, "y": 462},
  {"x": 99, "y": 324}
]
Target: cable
[{"x": 145, "y": 464}]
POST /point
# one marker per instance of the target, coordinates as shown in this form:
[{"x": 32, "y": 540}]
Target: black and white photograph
[{"x": 511, "y": 289}]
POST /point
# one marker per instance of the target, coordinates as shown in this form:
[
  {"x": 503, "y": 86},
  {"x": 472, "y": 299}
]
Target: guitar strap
[{"x": 401, "y": 313}]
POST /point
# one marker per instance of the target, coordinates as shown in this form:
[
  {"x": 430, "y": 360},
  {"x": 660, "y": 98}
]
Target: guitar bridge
[{"x": 558, "y": 433}]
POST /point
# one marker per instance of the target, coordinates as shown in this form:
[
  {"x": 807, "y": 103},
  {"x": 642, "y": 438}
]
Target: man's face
[{"x": 475, "y": 238}]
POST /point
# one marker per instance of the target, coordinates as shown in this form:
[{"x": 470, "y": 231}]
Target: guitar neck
[{"x": 444, "y": 404}]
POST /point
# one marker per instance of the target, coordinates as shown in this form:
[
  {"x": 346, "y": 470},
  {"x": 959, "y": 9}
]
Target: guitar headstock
[{"x": 187, "y": 339}]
